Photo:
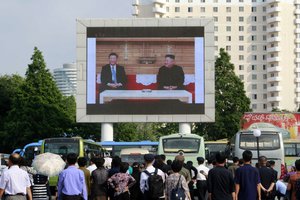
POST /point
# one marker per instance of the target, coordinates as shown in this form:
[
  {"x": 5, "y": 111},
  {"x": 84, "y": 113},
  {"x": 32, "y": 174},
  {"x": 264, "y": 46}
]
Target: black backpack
[
  {"x": 178, "y": 192},
  {"x": 156, "y": 184}
]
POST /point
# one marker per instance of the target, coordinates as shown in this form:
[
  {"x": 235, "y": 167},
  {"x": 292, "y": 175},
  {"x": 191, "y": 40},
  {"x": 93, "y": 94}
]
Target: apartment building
[
  {"x": 66, "y": 79},
  {"x": 262, "y": 37}
]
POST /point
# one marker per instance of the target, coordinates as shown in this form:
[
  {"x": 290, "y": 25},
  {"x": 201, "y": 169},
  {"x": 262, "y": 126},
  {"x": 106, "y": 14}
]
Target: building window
[
  {"x": 265, "y": 96},
  {"x": 264, "y": 76},
  {"x": 264, "y": 67},
  {"x": 202, "y": 1},
  {"x": 241, "y": 48},
  {"x": 253, "y": 9},
  {"x": 241, "y": 38},
  {"x": 241, "y": 28},
  {"x": 254, "y": 96},
  {"x": 265, "y": 106},
  {"x": 216, "y": 38},
  {"x": 228, "y": 38},
  {"x": 177, "y": 1},
  {"x": 254, "y": 18},
  {"x": 253, "y": 37},
  {"x": 241, "y": 57},
  {"x": 253, "y": 28},
  {"x": 216, "y": 19},
  {"x": 215, "y": 9},
  {"x": 253, "y": 67},
  {"x": 264, "y": 18},
  {"x": 254, "y": 77},
  {"x": 216, "y": 29},
  {"x": 228, "y": 19},
  {"x": 264, "y": 28},
  {"x": 264, "y": 86},
  {"x": 241, "y": 67},
  {"x": 241, "y": 9},
  {"x": 264, "y": 57},
  {"x": 202, "y": 9},
  {"x": 254, "y": 86},
  {"x": 241, "y": 19},
  {"x": 190, "y": 9},
  {"x": 177, "y": 9},
  {"x": 228, "y": 9},
  {"x": 254, "y": 57},
  {"x": 228, "y": 48},
  {"x": 264, "y": 9},
  {"x": 241, "y": 77},
  {"x": 264, "y": 37},
  {"x": 190, "y": 1},
  {"x": 228, "y": 28},
  {"x": 254, "y": 106},
  {"x": 228, "y": 1},
  {"x": 253, "y": 47}
]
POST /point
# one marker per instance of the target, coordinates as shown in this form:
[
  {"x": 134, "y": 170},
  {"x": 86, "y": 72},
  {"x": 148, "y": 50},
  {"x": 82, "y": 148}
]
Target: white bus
[
  {"x": 190, "y": 146},
  {"x": 270, "y": 145}
]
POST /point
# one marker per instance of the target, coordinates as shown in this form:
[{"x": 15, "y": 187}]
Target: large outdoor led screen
[{"x": 157, "y": 70}]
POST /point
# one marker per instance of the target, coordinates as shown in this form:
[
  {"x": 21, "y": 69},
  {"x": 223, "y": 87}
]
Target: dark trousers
[
  {"x": 191, "y": 189},
  {"x": 147, "y": 196},
  {"x": 201, "y": 189},
  {"x": 71, "y": 197},
  {"x": 122, "y": 196}
]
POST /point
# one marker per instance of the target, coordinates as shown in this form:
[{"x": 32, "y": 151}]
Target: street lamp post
[{"x": 257, "y": 133}]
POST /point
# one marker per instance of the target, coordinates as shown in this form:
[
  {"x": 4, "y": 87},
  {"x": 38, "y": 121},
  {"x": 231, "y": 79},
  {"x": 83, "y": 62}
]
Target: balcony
[
  {"x": 159, "y": 10},
  {"x": 297, "y": 21},
  {"x": 273, "y": 9},
  {"x": 297, "y": 60},
  {"x": 272, "y": 99},
  {"x": 273, "y": 29},
  {"x": 161, "y": 2},
  {"x": 273, "y": 49},
  {"x": 274, "y": 79},
  {"x": 272, "y": 1},
  {"x": 274, "y": 69},
  {"x": 297, "y": 30},
  {"x": 135, "y": 2},
  {"x": 273, "y": 19},
  {"x": 135, "y": 11},
  {"x": 297, "y": 40},
  {"x": 274, "y": 89},
  {"x": 274, "y": 39},
  {"x": 297, "y": 50},
  {"x": 297, "y": 69},
  {"x": 297, "y": 80},
  {"x": 273, "y": 59},
  {"x": 297, "y": 99},
  {"x": 297, "y": 90},
  {"x": 297, "y": 11},
  {"x": 297, "y": 2}
]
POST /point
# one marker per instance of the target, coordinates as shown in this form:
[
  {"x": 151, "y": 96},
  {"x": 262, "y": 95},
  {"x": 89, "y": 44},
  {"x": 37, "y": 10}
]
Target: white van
[{"x": 131, "y": 155}]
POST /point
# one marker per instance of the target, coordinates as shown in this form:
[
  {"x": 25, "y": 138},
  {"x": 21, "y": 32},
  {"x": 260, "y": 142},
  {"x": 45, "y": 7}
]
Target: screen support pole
[
  {"x": 185, "y": 128},
  {"x": 107, "y": 132}
]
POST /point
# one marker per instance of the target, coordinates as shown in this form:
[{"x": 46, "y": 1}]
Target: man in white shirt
[
  {"x": 144, "y": 186},
  {"x": 201, "y": 178},
  {"x": 92, "y": 166},
  {"x": 15, "y": 182}
]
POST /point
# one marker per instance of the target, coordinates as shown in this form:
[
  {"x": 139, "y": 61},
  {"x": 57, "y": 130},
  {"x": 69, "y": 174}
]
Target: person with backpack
[
  {"x": 152, "y": 180},
  {"x": 293, "y": 188},
  {"x": 176, "y": 185}
]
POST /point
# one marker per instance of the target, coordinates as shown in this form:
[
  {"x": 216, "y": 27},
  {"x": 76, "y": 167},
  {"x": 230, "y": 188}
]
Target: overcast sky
[{"x": 49, "y": 25}]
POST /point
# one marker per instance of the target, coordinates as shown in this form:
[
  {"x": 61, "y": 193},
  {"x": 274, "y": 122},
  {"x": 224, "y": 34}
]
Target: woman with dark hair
[
  {"x": 40, "y": 189},
  {"x": 176, "y": 180},
  {"x": 99, "y": 180},
  {"x": 121, "y": 182},
  {"x": 135, "y": 191}
]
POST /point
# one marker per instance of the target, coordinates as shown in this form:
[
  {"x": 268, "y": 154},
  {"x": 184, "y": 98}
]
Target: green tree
[
  {"x": 39, "y": 110},
  {"x": 135, "y": 132},
  {"x": 231, "y": 101}
]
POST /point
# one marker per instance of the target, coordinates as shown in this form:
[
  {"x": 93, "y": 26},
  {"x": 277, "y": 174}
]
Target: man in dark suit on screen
[{"x": 113, "y": 76}]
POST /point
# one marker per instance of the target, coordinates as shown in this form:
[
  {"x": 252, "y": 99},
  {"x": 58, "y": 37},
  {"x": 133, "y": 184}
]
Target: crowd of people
[{"x": 154, "y": 179}]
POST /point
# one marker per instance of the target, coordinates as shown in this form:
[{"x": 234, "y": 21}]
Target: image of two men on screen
[{"x": 170, "y": 76}]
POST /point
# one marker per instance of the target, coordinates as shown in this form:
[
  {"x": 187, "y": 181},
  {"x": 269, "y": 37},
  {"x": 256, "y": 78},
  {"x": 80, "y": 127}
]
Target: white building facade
[
  {"x": 262, "y": 37},
  {"x": 66, "y": 79}
]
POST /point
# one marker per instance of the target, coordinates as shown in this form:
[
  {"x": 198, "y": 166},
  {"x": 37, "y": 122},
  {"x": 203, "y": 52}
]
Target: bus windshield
[
  {"x": 187, "y": 145},
  {"x": 266, "y": 142},
  {"x": 62, "y": 146}
]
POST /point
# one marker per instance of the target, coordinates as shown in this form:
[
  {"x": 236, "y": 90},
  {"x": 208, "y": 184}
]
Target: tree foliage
[
  {"x": 231, "y": 101},
  {"x": 38, "y": 109}
]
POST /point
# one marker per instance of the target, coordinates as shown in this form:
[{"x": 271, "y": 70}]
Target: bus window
[
  {"x": 62, "y": 147},
  {"x": 266, "y": 142},
  {"x": 187, "y": 145}
]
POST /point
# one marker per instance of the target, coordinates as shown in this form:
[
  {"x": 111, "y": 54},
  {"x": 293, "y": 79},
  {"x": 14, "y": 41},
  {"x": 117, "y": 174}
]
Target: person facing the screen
[
  {"x": 113, "y": 76},
  {"x": 170, "y": 76}
]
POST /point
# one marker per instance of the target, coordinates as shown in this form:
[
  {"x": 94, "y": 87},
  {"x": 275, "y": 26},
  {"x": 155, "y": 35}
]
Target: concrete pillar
[
  {"x": 107, "y": 132},
  {"x": 185, "y": 128}
]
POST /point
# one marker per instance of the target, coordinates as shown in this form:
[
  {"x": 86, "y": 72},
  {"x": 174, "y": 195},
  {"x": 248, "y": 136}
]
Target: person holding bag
[{"x": 176, "y": 185}]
